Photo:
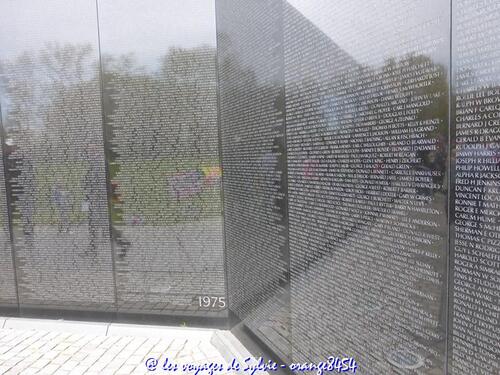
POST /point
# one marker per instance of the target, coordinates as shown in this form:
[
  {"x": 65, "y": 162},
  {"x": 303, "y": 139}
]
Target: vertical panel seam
[
  {"x": 221, "y": 165},
  {"x": 106, "y": 159}
]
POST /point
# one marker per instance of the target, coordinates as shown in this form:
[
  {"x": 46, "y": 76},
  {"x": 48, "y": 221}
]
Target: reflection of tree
[
  {"x": 385, "y": 134},
  {"x": 57, "y": 179},
  {"x": 254, "y": 160},
  {"x": 7, "y": 283},
  {"x": 366, "y": 147},
  {"x": 163, "y": 125},
  {"x": 52, "y": 118}
]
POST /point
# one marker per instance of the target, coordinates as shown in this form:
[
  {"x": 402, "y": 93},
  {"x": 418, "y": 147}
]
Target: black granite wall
[
  {"x": 54, "y": 155},
  {"x": 367, "y": 128},
  {"x": 359, "y": 144},
  {"x": 160, "y": 113},
  {"x": 370, "y": 181},
  {"x": 111, "y": 158},
  {"x": 252, "y": 119},
  {"x": 474, "y": 336}
]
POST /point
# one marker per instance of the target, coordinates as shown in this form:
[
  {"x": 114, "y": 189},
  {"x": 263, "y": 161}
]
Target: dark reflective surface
[
  {"x": 366, "y": 147},
  {"x": 55, "y": 157},
  {"x": 8, "y": 292},
  {"x": 252, "y": 133},
  {"x": 367, "y": 125},
  {"x": 475, "y": 293},
  {"x": 160, "y": 95},
  {"x": 333, "y": 127}
]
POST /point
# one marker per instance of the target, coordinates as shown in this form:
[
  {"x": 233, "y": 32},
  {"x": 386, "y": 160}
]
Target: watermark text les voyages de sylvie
[{"x": 253, "y": 366}]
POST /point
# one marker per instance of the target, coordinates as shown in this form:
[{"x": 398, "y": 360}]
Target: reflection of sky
[
  {"x": 147, "y": 27},
  {"x": 29, "y": 24},
  {"x": 371, "y": 31}
]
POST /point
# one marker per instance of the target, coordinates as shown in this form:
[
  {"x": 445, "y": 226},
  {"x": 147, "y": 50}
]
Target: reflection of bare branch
[{"x": 68, "y": 63}]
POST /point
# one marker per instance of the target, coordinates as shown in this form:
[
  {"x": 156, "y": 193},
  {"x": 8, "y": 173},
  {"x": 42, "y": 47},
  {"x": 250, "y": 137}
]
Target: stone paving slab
[
  {"x": 37, "y": 346},
  {"x": 57, "y": 325},
  {"x": 117, "y": 329}
]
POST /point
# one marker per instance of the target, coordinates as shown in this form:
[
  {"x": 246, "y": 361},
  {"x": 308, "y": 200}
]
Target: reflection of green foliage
[
  {"x": 53, "y": 122},
  {"x": 69, "y": 175},
  {"x": 161, "y": 124},
  {"x": 151, "y": 199},
  {"x": 146, "y": 193},
  {"x": 439, "y": 106},
  {"x": 437, "y": 92},
  {"x": 158, "y": 124}
]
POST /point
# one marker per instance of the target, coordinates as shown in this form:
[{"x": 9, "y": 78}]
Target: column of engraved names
[
  {"x": 361, "y": 184},
  {"x": 57, "y": 177},
  {"x": 7, "y": 282},
  {"x": 166, "y": 180},
  {"x": 476, "y": 255},
  {"x": 252, "y": 128}
]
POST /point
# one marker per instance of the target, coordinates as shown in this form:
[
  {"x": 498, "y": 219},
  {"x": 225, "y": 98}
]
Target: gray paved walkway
[{"x": 30, "y": 346}]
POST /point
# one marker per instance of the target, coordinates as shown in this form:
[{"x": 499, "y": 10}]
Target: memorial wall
[
  {"x": 474, "y": 341},
  {"x": 368, "y": 186},
  {"x": 160, "y": 106},
  {"x": 8, "y": 291},
  {"x": 325, "y": 172},
  {"x": 252, "y": 119},
  {"x": 54, "y": 155},
  {"x": 367, "y": 128},
  {"x": 111, "y": 155}
]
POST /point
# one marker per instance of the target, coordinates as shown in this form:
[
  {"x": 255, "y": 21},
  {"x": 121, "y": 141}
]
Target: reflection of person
[
  {"x": 60, "y": 197},
  {"x": 186, "y": 188},
  {"x": 122, "y": 242},
  {"x": 27, "y": 204},
  {"x": 185, "y": 184},
  {"x": 92, "y": 196},
  {"x": 440, "y": 159},
  {"x": 117, "y": 235}
]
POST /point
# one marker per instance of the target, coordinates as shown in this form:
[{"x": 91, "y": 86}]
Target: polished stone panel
[
  {"x": 335, "y": 128},
  {"x": 160, "y": 95},
  {"x": 8, "y": 292},
  {"x": 474, "y": 346},
  {"x": 366, "y": 87},
  {"x": 51, "y": 107},
  {"x": 250, "y": 58}
]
